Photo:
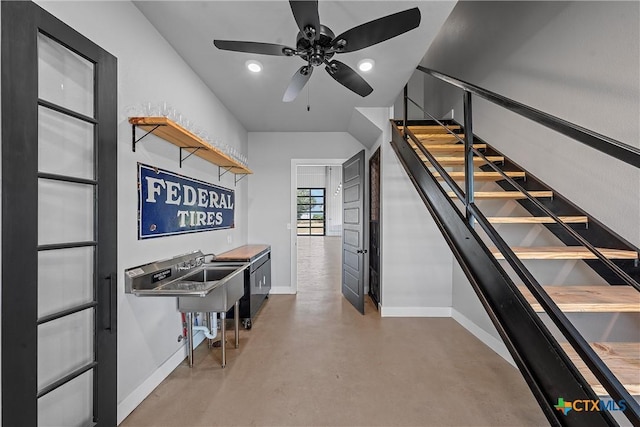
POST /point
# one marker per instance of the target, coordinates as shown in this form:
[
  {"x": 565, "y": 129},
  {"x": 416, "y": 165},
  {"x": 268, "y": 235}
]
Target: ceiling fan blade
[
  {"x": 347, "y": 77},
  {"x": 254, "y": 47},
  {"x": 306, "y": 15},
  {"x": 298, "y": 81},
  {"x": 377, "y": 31}
]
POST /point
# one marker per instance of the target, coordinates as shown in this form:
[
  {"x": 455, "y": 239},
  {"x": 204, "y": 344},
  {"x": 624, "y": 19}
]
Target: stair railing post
[
  {"x": 468, "y": 156},
  {"x": 405, "y": 110}
]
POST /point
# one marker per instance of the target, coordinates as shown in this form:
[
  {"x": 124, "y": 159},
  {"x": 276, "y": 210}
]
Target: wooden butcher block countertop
[{"x": 243, "y": 253}]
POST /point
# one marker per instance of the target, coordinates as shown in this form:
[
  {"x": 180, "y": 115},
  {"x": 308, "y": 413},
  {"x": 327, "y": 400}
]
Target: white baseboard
[
  {"x": 131, "y": 402},
  {"x": 487, "y": 339},
  {"x": 415, "y": 312},
  {"x": 282, "y": 290}
]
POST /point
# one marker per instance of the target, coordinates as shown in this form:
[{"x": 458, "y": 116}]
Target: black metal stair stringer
[{"x": 545, "y": 367}]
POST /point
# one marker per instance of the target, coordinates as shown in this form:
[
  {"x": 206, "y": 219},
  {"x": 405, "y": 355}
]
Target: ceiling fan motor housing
[{"x": 317, "y": 51}]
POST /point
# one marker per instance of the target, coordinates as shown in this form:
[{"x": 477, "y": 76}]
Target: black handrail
[{"x": 610, "y": 146}]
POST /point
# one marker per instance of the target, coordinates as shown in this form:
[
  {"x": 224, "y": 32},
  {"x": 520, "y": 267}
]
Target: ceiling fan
[{"x": 316, "y": 44}]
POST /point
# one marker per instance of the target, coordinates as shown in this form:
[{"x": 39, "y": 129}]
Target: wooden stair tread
[
  {"x": 564, "y": 252},
  {"x": 482, "y": 176},
  {"x": 589, "y": 299},
  {"x": 430, "y": 128},
  {"x": 504, "y": 194},
  {"x": 452, "y": 147},
  {"x": 440, "y": 137},
  {"x": 459, "y": 160},
  {"x": 622, "y": 358},
  {"x": 536, "y": 219},
  {"x": 428, "y": 140}
]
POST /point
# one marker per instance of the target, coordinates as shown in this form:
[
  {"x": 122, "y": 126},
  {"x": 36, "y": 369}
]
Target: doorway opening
[{"x": 317, "y": 234}]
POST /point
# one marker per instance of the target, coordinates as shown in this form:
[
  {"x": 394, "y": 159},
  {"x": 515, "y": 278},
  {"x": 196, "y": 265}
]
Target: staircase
[{"x": 434, "y": 157}]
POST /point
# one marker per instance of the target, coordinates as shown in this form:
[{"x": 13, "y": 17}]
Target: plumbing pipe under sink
[{"x": 207, "y": 333}]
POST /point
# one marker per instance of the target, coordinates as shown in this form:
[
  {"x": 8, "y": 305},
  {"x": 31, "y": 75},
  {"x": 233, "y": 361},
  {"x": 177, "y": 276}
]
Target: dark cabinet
[{"x": 257, "y": 279}]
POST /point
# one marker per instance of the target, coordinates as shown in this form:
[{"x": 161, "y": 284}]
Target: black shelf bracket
[
  {"x": 225, "y": 168},
  {"x": 242, "y": 175},
  {"x": 191, "y": 153},
  {"x": 134, "y": 141}
]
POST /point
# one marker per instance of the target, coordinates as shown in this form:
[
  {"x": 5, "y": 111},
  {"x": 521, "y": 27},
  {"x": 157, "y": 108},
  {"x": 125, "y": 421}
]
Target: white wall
[
  {"x": 270, "y": 202},
  {"x": 415, "y": 261},
  {"x": 150, "y": 70},
  {"x": 417, "y": 93},
  {"x": 576, "y": 60}
]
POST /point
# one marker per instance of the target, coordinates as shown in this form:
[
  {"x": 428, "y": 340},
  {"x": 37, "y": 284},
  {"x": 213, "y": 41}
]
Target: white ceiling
[{"x": 256, "y": 99}]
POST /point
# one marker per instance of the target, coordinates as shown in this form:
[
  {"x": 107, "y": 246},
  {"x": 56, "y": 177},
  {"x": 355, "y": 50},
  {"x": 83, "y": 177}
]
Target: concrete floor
[{"x": 312, "y": 360}]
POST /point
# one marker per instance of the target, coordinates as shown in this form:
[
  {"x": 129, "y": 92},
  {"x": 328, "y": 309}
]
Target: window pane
[
  {"x": 65, "y": 279},
  {"x": 317, "y": 231},
  {"x": 303, "y": 192},
  {"x": 64, "y": 345},
  {"x": 303, "y": 223},
  {"x": 317, "y": 208},
  {"x": 304, "y": 231},
  {"x": 65, "y": 212},
  {"x": 317, "y": 193},
  {"x": 65, "y": 145},
  {"x": 64, "y": 77},
  {"x": 69, "y": 405}
]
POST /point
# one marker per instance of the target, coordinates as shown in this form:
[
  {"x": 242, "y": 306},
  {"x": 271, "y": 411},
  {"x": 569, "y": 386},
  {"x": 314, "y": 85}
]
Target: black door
[
  {"x": 59, "y": 215},
  {"x": 353, "y": 230}
]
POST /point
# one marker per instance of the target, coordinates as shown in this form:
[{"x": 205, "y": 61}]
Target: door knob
[{"x": 361, "y": 251}]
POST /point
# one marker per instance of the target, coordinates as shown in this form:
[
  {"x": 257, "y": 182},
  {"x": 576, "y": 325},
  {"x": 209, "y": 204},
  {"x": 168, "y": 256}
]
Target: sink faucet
[{"x": 186, "y": 265}]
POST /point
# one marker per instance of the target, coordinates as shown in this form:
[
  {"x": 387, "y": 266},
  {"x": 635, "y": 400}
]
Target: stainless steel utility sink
[
  {"x": 214, "y": 287},
  {"x": 201, "y": 287}
]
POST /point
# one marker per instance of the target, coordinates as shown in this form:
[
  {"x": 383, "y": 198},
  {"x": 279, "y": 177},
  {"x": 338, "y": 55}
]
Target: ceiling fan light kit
[{"x": 316, "y": 44}]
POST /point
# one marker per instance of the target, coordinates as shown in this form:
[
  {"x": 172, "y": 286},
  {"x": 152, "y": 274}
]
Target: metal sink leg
[
  {"x": 236, "y": 320},
  {"x": 190, "y": 338},
  {"x": 223, "y": 330}
]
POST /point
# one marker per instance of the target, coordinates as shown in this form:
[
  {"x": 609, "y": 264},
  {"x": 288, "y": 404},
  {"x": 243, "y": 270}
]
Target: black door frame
[
  {"x": 374, "y": 228},
  {"x": 21, "y": 22}
]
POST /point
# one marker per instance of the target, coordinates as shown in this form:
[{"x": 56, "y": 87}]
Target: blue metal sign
[{"x": 170, "y": 204}]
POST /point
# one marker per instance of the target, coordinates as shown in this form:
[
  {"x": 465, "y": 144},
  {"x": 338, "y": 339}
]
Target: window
[{"x": 311, "y": 212}]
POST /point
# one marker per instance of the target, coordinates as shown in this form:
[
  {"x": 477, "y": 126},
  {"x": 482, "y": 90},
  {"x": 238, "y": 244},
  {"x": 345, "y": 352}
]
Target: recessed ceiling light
[
  {"x": 254, "y": 66},
  {"x": 366, "y": 65}
]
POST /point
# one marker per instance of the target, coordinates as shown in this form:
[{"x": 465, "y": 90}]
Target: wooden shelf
[
  {"x": 589, "y": 299},
  {"x": 170, "y": 131}
]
